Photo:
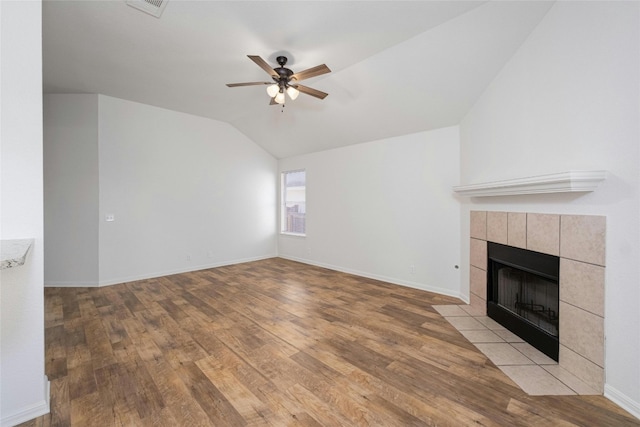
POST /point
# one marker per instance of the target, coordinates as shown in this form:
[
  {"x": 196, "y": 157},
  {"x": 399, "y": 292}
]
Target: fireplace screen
[{"x": 529, "y": 296}]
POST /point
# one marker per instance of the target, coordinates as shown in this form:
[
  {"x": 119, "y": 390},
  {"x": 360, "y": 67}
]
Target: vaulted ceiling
[{"x": 397, "y": 67}]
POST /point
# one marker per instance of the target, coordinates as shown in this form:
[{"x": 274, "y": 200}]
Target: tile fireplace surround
[{"x": 579, "y": 241}]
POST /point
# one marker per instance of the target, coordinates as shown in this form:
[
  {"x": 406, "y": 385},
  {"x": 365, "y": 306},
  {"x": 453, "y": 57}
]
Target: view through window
[{"x": 293, "y": 202}]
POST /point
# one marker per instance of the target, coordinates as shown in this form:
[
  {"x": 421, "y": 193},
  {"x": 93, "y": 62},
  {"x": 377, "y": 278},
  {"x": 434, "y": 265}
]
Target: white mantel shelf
[
  {"x": 14, "y": 252},
  {"x": 564, "y": 182}
]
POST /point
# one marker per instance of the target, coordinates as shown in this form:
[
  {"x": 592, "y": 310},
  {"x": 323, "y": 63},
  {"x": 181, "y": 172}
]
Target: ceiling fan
[{"x": 285, "y": 80}]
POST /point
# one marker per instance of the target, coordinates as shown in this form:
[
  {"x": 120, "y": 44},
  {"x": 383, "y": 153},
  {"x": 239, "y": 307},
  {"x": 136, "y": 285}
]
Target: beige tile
[
  {"x": 583, "y": 238},
  {"x": 497, "y": 227},
  {"x": 478, "y": 305},
  {"x": 507, "y": 335},
  {"x": 450, "y": 310},
  {"x": 588, "y": 372},
  {"x": 543, "y": 233},
  {"x": 489, "y": 323},
  {"x": 503, "y": 354},
  {"x": 571, "y": 381},
  {"x": 478, "y": 282},
  {"x": 478, "y": 255},
  {"x": 481, "y": 336},
  {"x": 478, "y": 226},
  {"x": 465, "y": 323},
  {"x": 477, "y": 310},
  {"x": 582, "y": 332},
  {"x": 517, "y": 230},
  {"x": 534, "y": 354},
  {"x": 582, "y": 285},
  {"x": 535, "y": 381}
]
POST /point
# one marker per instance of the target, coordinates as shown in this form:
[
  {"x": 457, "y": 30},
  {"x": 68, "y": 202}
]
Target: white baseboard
[
  {"x": 622, "y": 400},
  {"x": 56, "y": 284},
  {"x": 30, "y": 412},
  {"x": 395, "y": 281},
  {"x": 118, "y": 280},
  {"x": 124, "y": 279}
]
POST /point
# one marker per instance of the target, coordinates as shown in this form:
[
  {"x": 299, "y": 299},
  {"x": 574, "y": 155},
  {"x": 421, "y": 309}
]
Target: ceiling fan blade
[
  {"x": 263, "y": 64},
  {"x": 311, "y": 91},
  {"x": 311, "y": 72},
  {"x": 273, "y": 101},
  {"x": 248, "y": 84}
]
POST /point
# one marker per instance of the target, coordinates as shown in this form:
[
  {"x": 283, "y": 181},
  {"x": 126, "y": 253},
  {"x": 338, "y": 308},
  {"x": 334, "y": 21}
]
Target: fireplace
[
  {"x": 523, "y": 294},
  {"x": 579, "y": 242}
]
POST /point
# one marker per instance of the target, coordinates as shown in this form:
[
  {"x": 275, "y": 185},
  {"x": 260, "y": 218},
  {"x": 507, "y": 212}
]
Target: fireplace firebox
[{"x": 523, "y": 294}]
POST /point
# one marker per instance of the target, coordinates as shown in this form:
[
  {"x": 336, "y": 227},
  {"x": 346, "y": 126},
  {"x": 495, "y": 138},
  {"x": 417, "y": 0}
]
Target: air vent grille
[{"x": 152, "y": 7}]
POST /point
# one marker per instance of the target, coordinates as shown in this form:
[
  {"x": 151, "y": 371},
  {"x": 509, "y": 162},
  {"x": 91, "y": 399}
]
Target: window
[{"x": 293, "y": 209}]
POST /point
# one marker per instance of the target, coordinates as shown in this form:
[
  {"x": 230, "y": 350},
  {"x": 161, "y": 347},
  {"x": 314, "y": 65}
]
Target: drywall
[
  {"x": 71, "y": 189},
  {"x": 24, "y": 392},
  {"x": 383, "y": 209},
  {"x": 186, "y": 193},
  {"x": 569, "y": 100}
]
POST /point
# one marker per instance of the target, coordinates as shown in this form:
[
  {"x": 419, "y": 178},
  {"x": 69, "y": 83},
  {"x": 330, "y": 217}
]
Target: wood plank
[
  {"x": 60, "y": 403},
  {"x": 217, "y": 407}
]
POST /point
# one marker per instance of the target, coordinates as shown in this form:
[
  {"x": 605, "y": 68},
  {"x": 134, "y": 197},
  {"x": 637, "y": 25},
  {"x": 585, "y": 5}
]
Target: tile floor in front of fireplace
[{"x": 534, "y": 372}]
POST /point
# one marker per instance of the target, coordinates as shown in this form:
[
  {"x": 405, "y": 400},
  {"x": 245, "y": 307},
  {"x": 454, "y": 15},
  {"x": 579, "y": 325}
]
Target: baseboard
[
  {"x": 118, "y": 280},
  {"x": 622, "y": 400},
  {"x": 395, "y": 281},
  {"x": 56, "y": 284},
  {"x": 32, "y": 411},
  {"x": 189, "y": 269}
]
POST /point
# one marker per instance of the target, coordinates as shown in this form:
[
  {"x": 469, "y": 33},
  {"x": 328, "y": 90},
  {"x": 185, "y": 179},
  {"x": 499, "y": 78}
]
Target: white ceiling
[{"x": 397, "y": 67}]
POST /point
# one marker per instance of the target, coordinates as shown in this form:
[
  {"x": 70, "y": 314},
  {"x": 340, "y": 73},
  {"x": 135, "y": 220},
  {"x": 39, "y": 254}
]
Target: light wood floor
[{"x": 278, "y": 343}]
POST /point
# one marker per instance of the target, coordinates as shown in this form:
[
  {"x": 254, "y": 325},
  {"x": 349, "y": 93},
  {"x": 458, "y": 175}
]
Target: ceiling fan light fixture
[
  {"x": 273, "y": 90},
  {"x": 292, "y": 92},
  {"x": 279, "y": 98}
]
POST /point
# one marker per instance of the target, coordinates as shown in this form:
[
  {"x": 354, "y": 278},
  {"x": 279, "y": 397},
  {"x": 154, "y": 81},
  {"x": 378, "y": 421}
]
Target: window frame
[{"x": 283, "y": 202}]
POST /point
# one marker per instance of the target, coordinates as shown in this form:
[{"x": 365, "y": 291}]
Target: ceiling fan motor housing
[{"x": 284, "y": 73}]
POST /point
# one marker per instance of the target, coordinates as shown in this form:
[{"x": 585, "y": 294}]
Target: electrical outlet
[
  {"x": 412, "y": 269},
  {"x": 188, "y": 257},
  {"x": 109, "y": 217}
]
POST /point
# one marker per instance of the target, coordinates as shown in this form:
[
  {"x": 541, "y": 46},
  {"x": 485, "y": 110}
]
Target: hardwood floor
[{"x": 278, "y": 343}]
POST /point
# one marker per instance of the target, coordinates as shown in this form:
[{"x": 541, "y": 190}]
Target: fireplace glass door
[{"x": 530, "y": 297}]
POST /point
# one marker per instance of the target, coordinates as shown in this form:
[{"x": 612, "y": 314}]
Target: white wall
[
  {"x": 378, "y": 208},
  {"x": 187, "y": 193},
  {"x": 23, "y": 385},
  {"x": 71, "y": 189},
  {"x": 569, "y": 100}
]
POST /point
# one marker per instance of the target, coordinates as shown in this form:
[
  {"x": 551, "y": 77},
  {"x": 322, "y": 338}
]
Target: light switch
[{"x": 109, "y": 217}]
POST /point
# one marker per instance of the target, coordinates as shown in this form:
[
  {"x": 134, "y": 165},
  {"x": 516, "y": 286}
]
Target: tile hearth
[{"x": 530, "y": 369}]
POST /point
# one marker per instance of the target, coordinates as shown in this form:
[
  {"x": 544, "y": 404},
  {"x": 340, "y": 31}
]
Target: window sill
[{"x": 287, "y": 233}]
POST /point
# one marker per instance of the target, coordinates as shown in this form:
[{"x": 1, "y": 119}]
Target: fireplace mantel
[{"x": 563, "y": 182}]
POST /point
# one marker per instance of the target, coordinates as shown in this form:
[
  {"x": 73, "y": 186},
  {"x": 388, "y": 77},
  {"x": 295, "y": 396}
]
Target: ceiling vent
[{"x": 152, "y": 7}]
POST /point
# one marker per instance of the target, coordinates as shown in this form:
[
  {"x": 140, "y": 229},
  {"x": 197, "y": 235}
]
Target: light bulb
[
  {"x": 279, "y": 98},
  {"x": 292, "y": 92},
  {"x": 273, "y": 90}
]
